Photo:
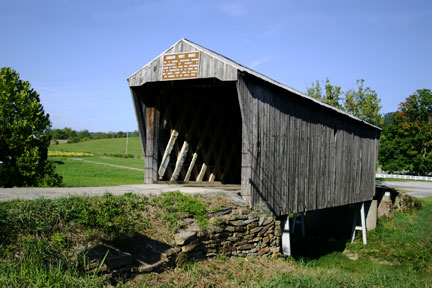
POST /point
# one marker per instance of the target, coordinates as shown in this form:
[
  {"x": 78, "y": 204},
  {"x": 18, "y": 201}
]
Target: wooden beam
[
  {"x": 185, "y": 148},
  {"x": 173, "y": 137},
  {"x": 166, "y": 156},
  {"x": 191, "y": 166},
  {"x": 180, "y": 160}
]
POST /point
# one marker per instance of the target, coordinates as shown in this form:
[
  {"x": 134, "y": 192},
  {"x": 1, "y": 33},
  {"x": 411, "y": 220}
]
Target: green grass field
[
  {"x": 103, "y": 146},
  {"x": 82, "y": 174},
  {"x": 128, "y": 162}
]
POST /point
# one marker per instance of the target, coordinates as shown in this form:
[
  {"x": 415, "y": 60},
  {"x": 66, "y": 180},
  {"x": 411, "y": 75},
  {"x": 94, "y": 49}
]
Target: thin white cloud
[{"x": 257, "y": 62}]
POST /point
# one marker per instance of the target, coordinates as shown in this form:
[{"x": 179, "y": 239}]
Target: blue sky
[{"x": 77, "y": 54}]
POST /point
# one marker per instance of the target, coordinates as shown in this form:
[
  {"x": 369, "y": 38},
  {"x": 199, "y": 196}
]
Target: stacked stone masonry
[{"x": 240, "y": 232}]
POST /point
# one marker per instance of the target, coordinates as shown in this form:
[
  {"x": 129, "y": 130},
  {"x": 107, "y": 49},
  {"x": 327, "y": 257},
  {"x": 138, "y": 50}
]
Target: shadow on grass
[
  {"x": 143, "y": 248},
  {"x": 128, "y": 251}
]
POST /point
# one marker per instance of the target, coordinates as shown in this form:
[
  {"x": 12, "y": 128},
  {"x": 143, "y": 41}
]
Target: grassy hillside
[
  {"x": 44, "y": 243},
  {"x": 103, "y": 146}
]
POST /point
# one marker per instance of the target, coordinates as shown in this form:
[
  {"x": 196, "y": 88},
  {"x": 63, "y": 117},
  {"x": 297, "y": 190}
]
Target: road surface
[
  {"x": 144, "y": 189},
  {"x": 418, "y": 189}
]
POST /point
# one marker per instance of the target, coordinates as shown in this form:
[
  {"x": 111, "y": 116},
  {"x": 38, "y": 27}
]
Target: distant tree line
[{"x": 73, "y": 136}]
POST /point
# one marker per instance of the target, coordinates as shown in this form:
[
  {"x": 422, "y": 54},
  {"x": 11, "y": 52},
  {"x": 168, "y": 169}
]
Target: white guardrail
[{"x": 408, "y": 177}]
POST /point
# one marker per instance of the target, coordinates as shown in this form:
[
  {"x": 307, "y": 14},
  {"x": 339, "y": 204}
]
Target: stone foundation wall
[
  {"x": 390, "y": 200},
  {"x": 235, "y": 232}
]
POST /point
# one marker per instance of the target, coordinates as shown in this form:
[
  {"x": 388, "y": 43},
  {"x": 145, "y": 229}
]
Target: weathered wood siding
[
  {"x": 300, "y": 156},
  {"x": 147, "y": 114},
  {"x": 209, "y": 67}
]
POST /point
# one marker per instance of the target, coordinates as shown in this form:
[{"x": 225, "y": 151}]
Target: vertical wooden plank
[
  {"x": 292, "y": 161},
  {"x": 152, "y": 136},
  {"x": 246, "y": 161}
]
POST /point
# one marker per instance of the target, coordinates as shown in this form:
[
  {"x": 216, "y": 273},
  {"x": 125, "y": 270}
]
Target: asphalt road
[{"x": 418, "y": 189}]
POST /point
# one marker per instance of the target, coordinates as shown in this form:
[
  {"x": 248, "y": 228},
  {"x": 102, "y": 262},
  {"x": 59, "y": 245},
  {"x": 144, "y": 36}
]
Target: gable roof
[{"x": 151, "y": 72}]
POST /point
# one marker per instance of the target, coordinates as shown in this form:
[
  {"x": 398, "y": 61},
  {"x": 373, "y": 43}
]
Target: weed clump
[{"x": 180, "y": 206}]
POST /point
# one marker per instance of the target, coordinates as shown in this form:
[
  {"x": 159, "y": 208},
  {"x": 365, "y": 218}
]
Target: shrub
[{"x": 23, "y": 143}]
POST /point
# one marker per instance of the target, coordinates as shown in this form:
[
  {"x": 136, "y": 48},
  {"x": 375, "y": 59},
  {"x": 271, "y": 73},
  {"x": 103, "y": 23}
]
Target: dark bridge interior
[{"x": 199, "y": 132}]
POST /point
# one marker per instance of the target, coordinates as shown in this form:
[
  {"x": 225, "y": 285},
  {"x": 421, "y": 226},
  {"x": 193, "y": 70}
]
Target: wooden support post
[
  {"x": 185, "y": 148},
  {"x": 180, "y": 160},
  {"x": 151, "y": 147},
  {"x": 286, "y": 237},
  {"x": 173, "y": 137},
  {"x": 166, "y": 156},
  {"x": 202, "y": 172},
  {"x": 191, "y": 165},
  {"x": 363, "y": 224}
]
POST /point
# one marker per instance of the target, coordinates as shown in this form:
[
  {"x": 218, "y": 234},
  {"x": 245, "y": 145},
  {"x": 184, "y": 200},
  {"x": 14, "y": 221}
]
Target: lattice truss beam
[{"x": 200, "y": 136}]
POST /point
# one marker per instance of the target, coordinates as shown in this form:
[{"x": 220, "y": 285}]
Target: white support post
[
  {"x": 286, "y": 238},
  {"x": 363, "y": 224}
]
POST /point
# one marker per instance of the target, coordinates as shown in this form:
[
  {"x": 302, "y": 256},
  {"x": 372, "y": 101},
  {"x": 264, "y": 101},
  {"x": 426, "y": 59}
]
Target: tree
[
  {"x": 406, "y": 143},
  {"x": 360, "y": 102},
  {"x": 387, "y": 119},
  {"x": 23, "y": 144},
  {"x": 332, "y": 94},
  {"x": 363, "y": 103}
]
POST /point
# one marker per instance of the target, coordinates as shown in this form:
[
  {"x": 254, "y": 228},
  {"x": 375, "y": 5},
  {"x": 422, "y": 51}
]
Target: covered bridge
[{"x": 205, "y": 118}]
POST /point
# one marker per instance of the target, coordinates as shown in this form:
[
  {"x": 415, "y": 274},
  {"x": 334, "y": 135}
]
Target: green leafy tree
[
  {"x": 363, "y": 103},
  {"x": 406, "y": 143},
  {"x": 387, "y": 119},
  {"x": 23, "y": 144},
  {"x": 332, "y": 94}
]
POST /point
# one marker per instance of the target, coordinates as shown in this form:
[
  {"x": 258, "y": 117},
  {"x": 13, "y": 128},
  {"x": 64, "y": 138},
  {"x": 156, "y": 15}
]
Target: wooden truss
[{"x": 200, "y": 137}]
